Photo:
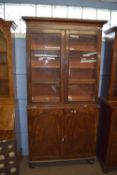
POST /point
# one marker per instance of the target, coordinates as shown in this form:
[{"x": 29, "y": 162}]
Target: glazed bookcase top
[{"x": 63, "y": 60}]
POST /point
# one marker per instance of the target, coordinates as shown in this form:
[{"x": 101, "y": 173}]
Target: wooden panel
[
  {"x": 44, "y": 133},
  {"x": 103, "y": 131},
  {"x": 80, "y": 132},
  {"x": 4, "y": 88},
  {"x": 7, "y": 135},
  {"x": 113, "y": 139},
  {"x": 113, "y": 150},
  {"x": 7, "y": 117},
  {"x": 114, "y": 124},
  {"x": 107, "y": 136}
]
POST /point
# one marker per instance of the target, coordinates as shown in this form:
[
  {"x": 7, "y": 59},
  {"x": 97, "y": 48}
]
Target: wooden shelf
[
  {"x": 82, "y": 81},
  {"x": 48, "y": 47},
  {"x": 45, "y": 99},
  {"x": 78, "y": 65},
  {"x": 4, "y": 78},
  {"x": 44, "y": 56},
  {"x": 83, "y": 48},
  {"x": 37, "y": 64},
  {"x": 80, "y": 98},
  {"x": 46, "y": 82},
  {"x": 3, "y": 52}
]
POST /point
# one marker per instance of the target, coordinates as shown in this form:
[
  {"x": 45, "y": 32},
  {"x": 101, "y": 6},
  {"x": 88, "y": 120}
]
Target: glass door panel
[
  {"x": 82, "y": 56},
  {"x": 81, "y": 92},
  {"x": 45, "y": 92},
  {"x": 46, "y": 66},
  {"x": 4, "y": 80}
]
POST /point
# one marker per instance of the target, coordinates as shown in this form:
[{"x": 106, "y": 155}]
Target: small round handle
[
  {"x": 62, "y": 140},
  {"x": 74, "y": 111},
  {"x": 85, "y": 106}
]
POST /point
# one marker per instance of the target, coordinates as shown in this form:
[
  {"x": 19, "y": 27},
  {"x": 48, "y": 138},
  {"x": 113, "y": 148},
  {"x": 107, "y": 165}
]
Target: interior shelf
[
  {"x": 42, "y": 56},
  {"x": 80, "y": 98},
  {"x": 45, "y": 82},
  {"x": 3, "y": 63},
  {"x": 82, "y": 81},
  {"x": 45, "y": 99},
  {"x": 84, "y": 48},
  {"x": 4, "y": 78},
  {"x": 82, "y": 65},
  {"x": 3, "y": 51},
  {"x": 43, "y": 47},
  {"x": 37, "y": 64}
]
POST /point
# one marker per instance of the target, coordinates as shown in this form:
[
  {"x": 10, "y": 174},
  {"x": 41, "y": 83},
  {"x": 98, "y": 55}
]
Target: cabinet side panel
[
  {"x": 104, "y": 132},
  {"x": 7, "y": 122},
  {"x": 106, "y": 74}
]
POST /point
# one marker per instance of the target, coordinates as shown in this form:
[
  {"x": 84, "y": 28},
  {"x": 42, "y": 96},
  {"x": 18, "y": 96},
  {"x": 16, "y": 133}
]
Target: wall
[
  {"x": 20, "y": 56},
  {"x": 84, "y": 3}
]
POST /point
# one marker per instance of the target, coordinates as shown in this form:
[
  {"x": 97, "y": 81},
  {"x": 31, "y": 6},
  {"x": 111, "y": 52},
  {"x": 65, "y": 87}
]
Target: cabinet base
[
  {"x": 105, "y": 168},
  {"x": 33, "y": 164}
]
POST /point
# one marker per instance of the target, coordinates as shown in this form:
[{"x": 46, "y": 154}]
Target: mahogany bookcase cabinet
[
  {"x": 8, "y": 156},
  {"x": 63, "y": 67},
  {"x": 107, "y": 137},
  {"x": 7, "y": 99}
]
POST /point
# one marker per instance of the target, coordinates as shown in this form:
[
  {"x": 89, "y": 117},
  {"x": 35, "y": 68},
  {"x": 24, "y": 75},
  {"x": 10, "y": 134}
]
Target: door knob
[{"x": 62, "y": 140}]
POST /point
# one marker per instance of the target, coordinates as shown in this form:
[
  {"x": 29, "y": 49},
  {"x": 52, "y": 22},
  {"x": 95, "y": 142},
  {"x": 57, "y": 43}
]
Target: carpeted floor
[{"x": 82, "y": 168}]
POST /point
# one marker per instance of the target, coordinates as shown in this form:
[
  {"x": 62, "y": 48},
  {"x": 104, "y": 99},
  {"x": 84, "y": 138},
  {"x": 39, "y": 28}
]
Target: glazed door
[
  {"x": 82, "y": 54},
  {"x": 44, "y": 134},
  {"x": 46, "y": 52},
  {"x": 4, "y": 78},
  {"x": 80, "y": 132}
]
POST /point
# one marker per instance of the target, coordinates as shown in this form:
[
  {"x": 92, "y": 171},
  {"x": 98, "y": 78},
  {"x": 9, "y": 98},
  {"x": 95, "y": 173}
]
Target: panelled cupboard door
[
  {"x": 46, "y": 52},
  {"x": 80, "y": 125},
  {"x": 44, "y": 133}
]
